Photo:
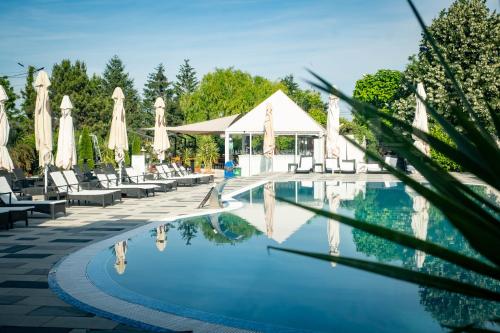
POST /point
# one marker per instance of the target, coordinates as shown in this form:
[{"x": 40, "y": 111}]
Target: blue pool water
[{"x": 217, "y": 268}]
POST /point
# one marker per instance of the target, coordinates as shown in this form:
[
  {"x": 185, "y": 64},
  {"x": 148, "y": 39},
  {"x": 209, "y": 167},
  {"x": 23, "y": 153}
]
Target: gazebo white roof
[{"x": 288, "y": 118}]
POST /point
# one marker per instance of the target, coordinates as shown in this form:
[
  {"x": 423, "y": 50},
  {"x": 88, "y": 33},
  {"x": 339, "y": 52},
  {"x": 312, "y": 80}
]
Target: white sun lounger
[
  {"x": 163, "y": 184},
  {"x": 305, "y": 164},
  {"x": 109, "y": 181},
  {"x": 165, "y": 173}
]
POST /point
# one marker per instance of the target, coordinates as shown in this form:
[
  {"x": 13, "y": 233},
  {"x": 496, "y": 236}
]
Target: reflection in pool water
[{"x": 216, "y": 268}]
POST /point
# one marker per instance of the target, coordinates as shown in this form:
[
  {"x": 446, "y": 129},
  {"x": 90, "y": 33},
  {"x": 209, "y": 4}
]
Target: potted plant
[{"x": 207, "y": 153}]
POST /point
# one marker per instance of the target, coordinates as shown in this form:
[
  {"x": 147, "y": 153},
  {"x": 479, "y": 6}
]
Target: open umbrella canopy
[
  {"x": 5, "y": 160},
  {"x": 118, "y": 140},
  {"x": 43, "y": 119},
  {"x": 161, "y": 142},
  {"x": 66, "y": 147},
  {"x": 333, "y": 128},
  {"x": 420, "y": 120},
  {"x": 269, "y": 143}
]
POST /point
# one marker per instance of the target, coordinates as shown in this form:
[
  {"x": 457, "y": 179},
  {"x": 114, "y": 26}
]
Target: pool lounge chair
[
  {"x": 9, "y": 215},
  {"x": 182, "y": 172},
  {"x": 136, "y": 178},
  {"x": 165, "y": 173},
  {"x": 66, "y": 181},
  {"x": 347, "y": 166},
  {"x": 110, "y": 181},
  {"x": 331, "y": 165},
  {"x": 50, "y": 207},
  {"x": 305, "y": 164}
]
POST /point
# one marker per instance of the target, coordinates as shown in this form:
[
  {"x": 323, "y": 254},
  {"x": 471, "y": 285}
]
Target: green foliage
[
  {"x": 157, "y": 85},
  {"x": 319, "y": 115},
  {"x": 285, "y": 144},
  {"x": 468, "y": 34},
  {"x": 186, "y": 80},
  {"x": 135, "y": 144},
  {"x": 360, "y": 132},
  {"x": 207, "y": 152},
  {"x": 85, "y": 149},
  {"x": 291, "y": 86},
  {"x": 23, "y": 153},
  {"x": 98, "y": 120},
  {"x": 380, "y": 89},
  {"x": 187, "y": 155},
  {"x": 28, "y": 95},
  {"x": 114, "y": 75},
  {"x": 226, "y": 92},
  {"x": 446, "y": 163}
]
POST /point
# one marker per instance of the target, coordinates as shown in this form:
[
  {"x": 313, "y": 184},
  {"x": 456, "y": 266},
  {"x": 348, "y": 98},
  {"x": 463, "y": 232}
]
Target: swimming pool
[{"x": 217, "y": 269}]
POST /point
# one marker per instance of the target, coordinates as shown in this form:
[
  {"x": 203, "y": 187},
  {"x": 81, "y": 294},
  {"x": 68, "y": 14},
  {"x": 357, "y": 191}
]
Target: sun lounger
[
  {"x": 110, "y": 181},
  {"x": 166, "y": 174},
  {"x": 9, "y": 215},
  {"x": 200, "y": 179},
  {"x": 204, "y": 179},
  {"x": 331, "y": 165},
  {"x": 9, "y": 199},
  {"x": 135, "y": 178},
  {"x": 347, "y": 166},
  {"x": 75, "y": 193},
  {"x": 305, "y": 164}
]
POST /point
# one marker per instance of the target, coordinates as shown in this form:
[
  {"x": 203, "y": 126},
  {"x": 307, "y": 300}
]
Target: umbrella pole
[
  {"x": 46, "y": 180},
  {"x": 120, "y": 173}
]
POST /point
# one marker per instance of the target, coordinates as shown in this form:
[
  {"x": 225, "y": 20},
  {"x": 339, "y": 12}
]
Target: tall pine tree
[
  {"x": 186, "y": 80},
  {"x": 115, "y": 76},
  {"x": 28, "y": 95},
  {"x": 156, "y": 86}
]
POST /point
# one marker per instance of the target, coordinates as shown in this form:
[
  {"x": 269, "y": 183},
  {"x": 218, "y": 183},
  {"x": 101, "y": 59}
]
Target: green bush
[
  {"x": 207, "y": 152},
  {"x": 85, "y": 149},
  {"x": 442, "y": 160}
]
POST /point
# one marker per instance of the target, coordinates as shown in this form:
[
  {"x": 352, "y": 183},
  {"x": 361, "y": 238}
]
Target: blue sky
[{"x": 340, "y": 39}]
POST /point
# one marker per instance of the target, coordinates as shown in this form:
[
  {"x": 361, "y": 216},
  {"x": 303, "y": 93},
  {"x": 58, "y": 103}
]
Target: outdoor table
[
  {"x": 292, "y": 167},
  {"x": 318, "y": 165}
]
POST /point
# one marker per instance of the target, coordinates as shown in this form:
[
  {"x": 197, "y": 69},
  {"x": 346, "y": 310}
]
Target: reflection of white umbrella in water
[
  {"x": 160, "y": 142},
  {"x": 43, "y": 122},
  {"x": 269, "y": 205},
  {"x": 118, "y": 140},
  {"x": 420, "y": 120},
  {"x": 5, "y": 160},
  {"x": 333, "y": 228},
  {"x": 419, "y": 222},
  {"x": 66, "y": 148},
  {"x": 120, "y": 252},
  {"x": 333, "y": 128},
  {"x": 269, "y": 144},
  {"x": 161, "y": 237}
]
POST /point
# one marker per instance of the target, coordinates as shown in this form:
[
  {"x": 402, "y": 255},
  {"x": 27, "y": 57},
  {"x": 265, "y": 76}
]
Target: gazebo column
[
  {"x": 250, "y": 158},
  {"x": 226, "y": 147},
  {"x": 296, "y": 148}
]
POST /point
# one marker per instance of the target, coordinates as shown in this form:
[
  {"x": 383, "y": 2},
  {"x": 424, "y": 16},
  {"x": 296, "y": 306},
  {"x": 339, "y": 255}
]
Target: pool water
[{"x": 217, "y": 268}]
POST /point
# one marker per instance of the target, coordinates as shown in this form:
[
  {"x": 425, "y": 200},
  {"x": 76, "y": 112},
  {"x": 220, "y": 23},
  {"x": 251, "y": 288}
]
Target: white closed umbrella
[
  {"x": 43, "y": 122},
  {"x": 118, "y": 140},
  {"x": 269, "y": 142},
  {"x": 333, "y": 128},
  {"x": 5, "y": 160},
  {"x": 161, "y": 142},
  {"x": 333, "y": 227},
  {"x": 420, "y": 120},
  {"x": 66, "y": 147}
]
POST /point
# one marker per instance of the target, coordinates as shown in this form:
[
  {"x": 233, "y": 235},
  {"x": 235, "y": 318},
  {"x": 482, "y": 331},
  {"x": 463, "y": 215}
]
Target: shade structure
[
  {"x": 161, "y": 142},
  {"x": 66, "y": 146},
  {"x": 43, "y": 119},
  {"x": 419, "y": 222},
  {"x": 269, "y": 205},
  {"x": 161, "y": 238},
  {"x": 269, "y": 143},
  {"x": 420, "y": 120},
  {"x": 5, "y": 160},
  {"x": 120, "y": 256},
  {"x": 333, "y": 227},
  {"x": 333, "y": 128}
]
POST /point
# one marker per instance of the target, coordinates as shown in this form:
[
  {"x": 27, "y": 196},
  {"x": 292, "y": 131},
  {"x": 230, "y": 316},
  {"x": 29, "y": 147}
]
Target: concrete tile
[{"x": 79, "y": 322}]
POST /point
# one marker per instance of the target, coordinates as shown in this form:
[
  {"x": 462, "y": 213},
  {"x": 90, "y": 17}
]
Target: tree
[
  {"x": 468, "y": 35},
  {"x": 100, "y": 107},
  {"x": 291, "y": 86},
  {"x": 28, "y": 95},
  {"x": 85, "y": 149},
  {"x": 307, "y": 99},
  {"x": 186, "y": 80},
  {"x": 156, "y": 86},
  {"x": 226, "y": 92},
  {"x": 72, "y": 80},
  {"x": 114, "y": 75}
]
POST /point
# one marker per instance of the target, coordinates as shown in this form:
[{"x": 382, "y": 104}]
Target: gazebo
[{"x": 288, "y": 120}]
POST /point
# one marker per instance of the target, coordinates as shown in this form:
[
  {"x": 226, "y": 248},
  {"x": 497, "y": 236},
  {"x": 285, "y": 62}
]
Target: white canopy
[
  {"x": 288, "y": 118},
  {"x": 209, "y": 127}
]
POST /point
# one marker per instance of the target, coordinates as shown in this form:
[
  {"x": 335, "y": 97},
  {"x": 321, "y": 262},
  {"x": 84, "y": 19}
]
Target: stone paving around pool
[{"x": 28, "y": 253}]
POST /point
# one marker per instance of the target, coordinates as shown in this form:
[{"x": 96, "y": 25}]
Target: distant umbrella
[
  {"x": 333, "y": 227},
  {"x": 269, "y": 206},
  {"x": 420, "y": 120},
  {"x": 161, "y": 142},
  {"x": 5, "y": 160},
  {"x": 333, "y": 128},
  {"x": 120, "y": 254},
  {"x": 161, "y": 237},
  {"x": 269, "y": 141},
  {"x": 66, "y": 147},
  {"x": 118, "y": 140},
  {"x": 419, "y": 222}
]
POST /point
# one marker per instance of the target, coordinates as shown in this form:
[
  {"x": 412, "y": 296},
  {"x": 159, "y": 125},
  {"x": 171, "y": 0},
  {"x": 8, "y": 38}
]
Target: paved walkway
[{"x": 28, "y": 253}]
